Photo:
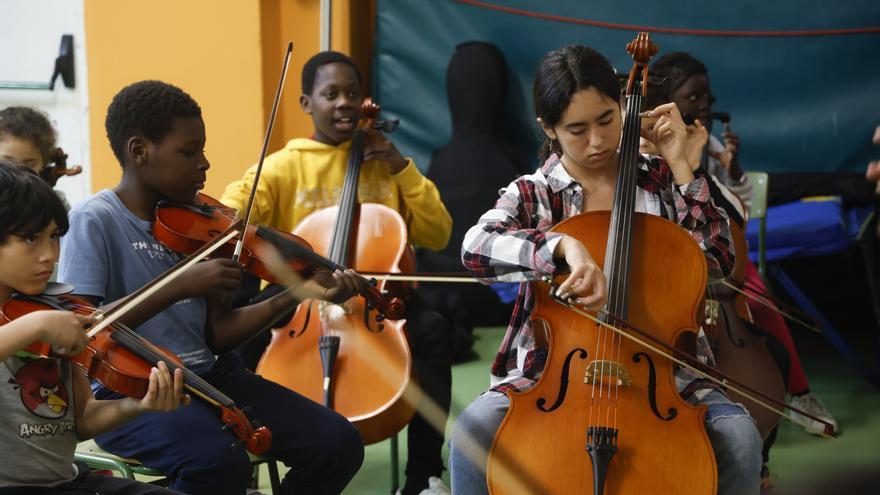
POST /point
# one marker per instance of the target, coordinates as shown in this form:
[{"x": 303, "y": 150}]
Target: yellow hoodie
[{"x": 307, "y": 175}]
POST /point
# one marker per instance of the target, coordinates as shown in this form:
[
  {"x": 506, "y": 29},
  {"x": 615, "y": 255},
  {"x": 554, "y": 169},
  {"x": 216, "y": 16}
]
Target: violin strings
[
  {"x": 133, "y": 339},
  {"x": 145, "y": 349}
]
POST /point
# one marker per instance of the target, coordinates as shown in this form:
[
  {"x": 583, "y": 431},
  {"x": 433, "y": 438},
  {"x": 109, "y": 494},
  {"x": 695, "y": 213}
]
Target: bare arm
[
  {"x": 227, "y": 327},
  {"x": 93, "y": 416}
]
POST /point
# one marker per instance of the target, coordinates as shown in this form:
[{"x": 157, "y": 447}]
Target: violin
[
  {"x": 186, "y": 228},
  {"x": 57, "y": 167},
  {"x": 326, "y": 352},
  {"x": 121, "y": 360}
]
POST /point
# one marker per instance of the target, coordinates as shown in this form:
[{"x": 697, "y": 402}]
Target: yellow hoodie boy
[{"x": 307, "y": 175}]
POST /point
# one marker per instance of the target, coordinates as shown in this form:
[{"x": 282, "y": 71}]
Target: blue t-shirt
[{"x": 110, "y": 253}]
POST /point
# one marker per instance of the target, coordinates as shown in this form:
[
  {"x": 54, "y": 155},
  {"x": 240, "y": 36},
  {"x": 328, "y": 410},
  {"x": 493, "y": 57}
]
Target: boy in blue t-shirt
[
  {"x": 157, "y": 133},
  {"x": 46, "y": 405}
]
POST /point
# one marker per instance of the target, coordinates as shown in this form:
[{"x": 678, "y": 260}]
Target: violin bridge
[{"x": 602, "y": 371}]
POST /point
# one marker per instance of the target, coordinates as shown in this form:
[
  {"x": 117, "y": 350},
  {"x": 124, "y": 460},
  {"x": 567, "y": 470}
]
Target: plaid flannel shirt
[{"x": 512, "y": 243}]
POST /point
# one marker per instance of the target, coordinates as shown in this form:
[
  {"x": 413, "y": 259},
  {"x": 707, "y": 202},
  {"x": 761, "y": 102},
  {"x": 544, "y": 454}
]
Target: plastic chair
[
  {"x": 758, "y": 211},
  {"x": 95, "y": 457}
]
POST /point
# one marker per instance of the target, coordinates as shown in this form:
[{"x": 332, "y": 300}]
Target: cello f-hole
[
  {"x": 563, "y": 381},
  {"x": 293, "y": 333},
  {"x": 652, "y": 388}
]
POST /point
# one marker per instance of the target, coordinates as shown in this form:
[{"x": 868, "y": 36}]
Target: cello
[
  {"x": 742, "y": 354},
  {"x": 334, "y": 354},
  {"x": 605, "y": 415}
]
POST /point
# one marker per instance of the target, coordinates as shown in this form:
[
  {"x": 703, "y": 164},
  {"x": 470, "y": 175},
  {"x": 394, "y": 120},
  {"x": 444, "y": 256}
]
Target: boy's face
[
  {"x": 175, "y": 167},
  {"x": 694, "y": 97},
  {"x": 335, "y": 103},
  {"x": 26, "y": 262},
  {"x": 21, "y": 151}
]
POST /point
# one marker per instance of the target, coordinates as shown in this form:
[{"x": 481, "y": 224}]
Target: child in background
[{"x": 28, "y": 138}]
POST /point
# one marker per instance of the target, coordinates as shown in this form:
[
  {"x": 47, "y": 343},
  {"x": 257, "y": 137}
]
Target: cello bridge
[{"x": 602, "y": 371}]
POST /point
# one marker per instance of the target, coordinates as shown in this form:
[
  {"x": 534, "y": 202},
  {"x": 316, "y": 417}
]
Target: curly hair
[
  {"x": 676, "y": 68},
  {"x": 27, "y": 203},
  {"x": 31, "y": 125},
  {"x": 310, "y": 69},
  {"x": 146, "y": 109}
]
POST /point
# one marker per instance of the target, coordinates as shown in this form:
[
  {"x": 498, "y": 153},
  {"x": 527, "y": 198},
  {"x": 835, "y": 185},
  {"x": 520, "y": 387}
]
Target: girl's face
[
  {"x": 21, "y": 151},
  {"x": 589, "y": 130}
]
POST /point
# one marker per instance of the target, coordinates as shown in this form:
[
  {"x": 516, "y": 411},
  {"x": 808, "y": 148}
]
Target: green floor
[{"x": 797, "y": 458}]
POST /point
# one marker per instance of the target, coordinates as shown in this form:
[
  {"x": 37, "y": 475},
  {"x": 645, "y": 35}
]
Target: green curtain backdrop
[{"x": 799, "y": 103}]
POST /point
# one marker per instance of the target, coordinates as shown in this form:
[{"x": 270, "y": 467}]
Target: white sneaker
[
  {"x": 811, "y": 404},
  {"x": 435, "y": 487}
]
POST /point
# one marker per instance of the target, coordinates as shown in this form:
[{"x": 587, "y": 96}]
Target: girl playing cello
[{"x": 575, "y": 95}]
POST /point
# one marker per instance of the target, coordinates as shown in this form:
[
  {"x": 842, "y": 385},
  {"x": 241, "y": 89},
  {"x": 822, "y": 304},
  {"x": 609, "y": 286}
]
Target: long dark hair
[{"x": 562, "y": 73}]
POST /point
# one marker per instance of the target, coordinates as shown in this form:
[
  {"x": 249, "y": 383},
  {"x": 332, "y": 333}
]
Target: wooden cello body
[
  {"x": 662, "y": 446},
  {"x": 606, "y": 417},
  {"x": 339, "y": 355},
  {"x": 741, "y": 354}
]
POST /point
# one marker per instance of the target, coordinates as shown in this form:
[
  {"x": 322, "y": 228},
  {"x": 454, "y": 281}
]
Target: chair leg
[
  {"x": 274, "y": 479},
  {"x": 870, "y": 374},
  {"x": 395, "y": 465}
]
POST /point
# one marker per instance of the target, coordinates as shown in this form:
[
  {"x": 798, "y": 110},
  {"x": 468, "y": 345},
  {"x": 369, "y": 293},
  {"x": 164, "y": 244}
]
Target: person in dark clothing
[{"x": 467, "y": 171}]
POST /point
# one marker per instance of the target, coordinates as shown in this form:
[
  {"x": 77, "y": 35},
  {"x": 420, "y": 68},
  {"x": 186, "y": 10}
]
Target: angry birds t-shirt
[{"x": 37, "y": 421}]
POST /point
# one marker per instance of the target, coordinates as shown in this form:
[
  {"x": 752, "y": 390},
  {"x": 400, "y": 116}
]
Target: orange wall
[{"x": 227, "y": 54}]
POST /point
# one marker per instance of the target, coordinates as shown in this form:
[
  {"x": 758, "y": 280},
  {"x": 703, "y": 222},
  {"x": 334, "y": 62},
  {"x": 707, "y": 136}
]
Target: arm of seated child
[
  {"x": 93, "y": 416},
  {"x": 229, "y": 327},
  {"x": 63, "y": 330}
]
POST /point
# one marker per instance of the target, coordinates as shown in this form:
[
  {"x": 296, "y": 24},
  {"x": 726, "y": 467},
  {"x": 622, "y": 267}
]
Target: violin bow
[
  {"x": 250, "y": 204},
  {"x": 107, "y": 318},
  {"x": 764, "y": 301},
  {"x": 685, "y": 360}
]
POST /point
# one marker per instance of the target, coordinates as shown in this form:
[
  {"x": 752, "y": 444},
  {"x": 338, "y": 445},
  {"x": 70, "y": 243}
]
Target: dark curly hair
[
  {"x": 32, "y": 125},
  {"x": 676, "y": 68},
  {"x": 147, "y": 109},
  {"x": 562, "y": 73},
  {"x": 310, "y": 69},
  {"x": 27, "y": 203}
]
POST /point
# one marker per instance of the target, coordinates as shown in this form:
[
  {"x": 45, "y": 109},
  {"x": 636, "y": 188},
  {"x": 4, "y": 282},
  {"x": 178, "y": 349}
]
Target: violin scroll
[
  {"x": 58, "y": 168},
  {"x": 257, "y": 439}
]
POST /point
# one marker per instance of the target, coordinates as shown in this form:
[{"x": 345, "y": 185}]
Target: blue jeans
[
  {"x": 734, "y": 437},
  {"x": 321, "y": 447}
]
